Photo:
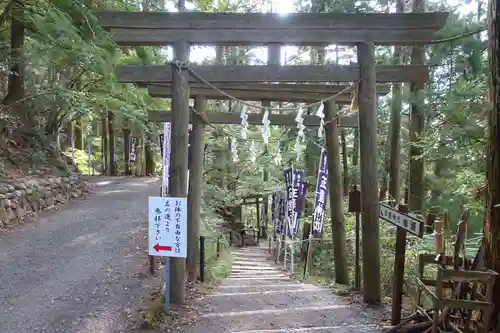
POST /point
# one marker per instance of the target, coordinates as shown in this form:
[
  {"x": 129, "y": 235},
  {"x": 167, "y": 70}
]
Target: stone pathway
[{"x": 259, "y": 298}]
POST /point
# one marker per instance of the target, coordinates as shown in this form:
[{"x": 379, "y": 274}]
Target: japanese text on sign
[
  {"x": 321, "y": 195},
  {"x": 406, "y": 222},
  {"x": 279, "y": 203},
  {"x": 295, "y": 189},
  {"x": 168, "y": 226},
  {"x": 133, "y": 149}
]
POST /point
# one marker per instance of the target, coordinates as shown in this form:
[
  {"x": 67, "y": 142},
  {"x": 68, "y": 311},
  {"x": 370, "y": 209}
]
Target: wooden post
[
  {"x": 195, "y": 186},
  {"x": 399, "y": 271},
  {"x": 202, "y": 258},
  {"x": 179, "y": 157},
  {"x": 336, "y": 193},
  {"x": 369, "y": 173},
  {"x": 354, "y": 206}
]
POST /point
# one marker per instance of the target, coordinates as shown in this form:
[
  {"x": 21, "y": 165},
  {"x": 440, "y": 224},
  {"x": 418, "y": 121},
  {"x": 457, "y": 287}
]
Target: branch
[{"x": 454, "y": 38}]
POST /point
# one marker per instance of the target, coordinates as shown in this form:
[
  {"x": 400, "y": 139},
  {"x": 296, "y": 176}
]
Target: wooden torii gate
[
  {"x": 272, "y": 92},
  {"x": 364, "y": 30}
]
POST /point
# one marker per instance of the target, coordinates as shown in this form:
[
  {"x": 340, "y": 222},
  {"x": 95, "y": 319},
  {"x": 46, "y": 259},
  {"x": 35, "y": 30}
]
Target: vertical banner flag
[
  {"x": 133, "y": 149},
  {"x": 165, "y": 147},
  {"x": 298, "y": 192},
  {"x": 273, "y": 213},
  {"x": 293, "y": 180},
  {"x": 289, "y": 195},
  {"x": 320, "y": 196},
  {"x": 190, "y": 140},
  {"x": 302, "y": 196},
  {"x": 280, "y": 211},
  {"x": 162, "y": 140}
]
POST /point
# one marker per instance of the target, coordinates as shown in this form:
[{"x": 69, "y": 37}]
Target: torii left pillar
[{"x": 179, "y": 158}]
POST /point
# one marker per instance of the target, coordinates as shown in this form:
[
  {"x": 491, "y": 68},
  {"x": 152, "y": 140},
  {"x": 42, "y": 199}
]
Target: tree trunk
[
  {"x": 149, "y": 156},
  {"x": 395, "y": 126},
  {"x": 111, "y": 144},
  {"x": 355, "y": 149},
  {"x": 69, "y": 134},
  {"x": 78, "y": 135},
  {"x": 492, "y": 211},
  {"x": 384, "y": 184},
  {"x": 126, "y": 150},
  {"x": 16, "y": 77},
  {"x": 345, "y": 165},
  {"x": 104, "y": 144},
  {"x": 417, "y": 170}
]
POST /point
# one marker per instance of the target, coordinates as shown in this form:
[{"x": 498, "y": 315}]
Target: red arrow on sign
[{"x": 159, "y": 248}]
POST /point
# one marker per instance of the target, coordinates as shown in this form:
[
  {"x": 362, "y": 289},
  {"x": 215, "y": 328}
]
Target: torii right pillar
[{"x": 369, "y": 172}]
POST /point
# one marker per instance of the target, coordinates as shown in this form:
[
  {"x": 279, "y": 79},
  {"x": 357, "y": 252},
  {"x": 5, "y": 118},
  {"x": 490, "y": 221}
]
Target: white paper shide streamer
[
  {"x": 253, "y": 153},
  {"x": 234, "y": 150},
  {"x": 265, "y": 128},
  {"x": 277, "y": 158},
  {"x": 299, "y": 119},
  {"x": 321, "y": 116},
  {"x": 244, "y": 123}
]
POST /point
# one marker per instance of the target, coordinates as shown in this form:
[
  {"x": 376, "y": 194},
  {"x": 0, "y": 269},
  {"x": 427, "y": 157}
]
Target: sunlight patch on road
[
  {"x": 114, "y": 192},
  {"x": 92, "y": 239},
  {"x": 104, "y": 183}
]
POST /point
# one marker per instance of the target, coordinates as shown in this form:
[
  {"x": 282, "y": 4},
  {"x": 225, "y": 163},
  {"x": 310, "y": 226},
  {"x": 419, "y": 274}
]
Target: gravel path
[
  {"x": 259, "y": 298},
  {"x": 77, "y": 270}
]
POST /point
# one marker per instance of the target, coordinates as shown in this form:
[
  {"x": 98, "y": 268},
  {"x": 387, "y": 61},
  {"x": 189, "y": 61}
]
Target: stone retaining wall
[{"x": 25, "y": 197}]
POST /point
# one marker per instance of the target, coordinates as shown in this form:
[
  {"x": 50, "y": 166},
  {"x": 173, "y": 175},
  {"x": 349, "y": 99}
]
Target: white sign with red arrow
[{"x": 168, "y": 227}]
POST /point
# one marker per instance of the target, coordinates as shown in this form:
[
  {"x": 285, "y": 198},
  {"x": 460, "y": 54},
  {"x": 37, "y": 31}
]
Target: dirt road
[{"x": 77, "y": 270}]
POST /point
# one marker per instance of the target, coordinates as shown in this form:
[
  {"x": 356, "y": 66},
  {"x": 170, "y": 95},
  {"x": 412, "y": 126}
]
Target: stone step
[
  {"x": 320, "y": 329},
  {"x": 249, "y": 262},
  {"x": 273, "y": 317},
  {"x": 262, "y": 287},
  {"x": 262, "y": 267},
  {"x": 258, "y": 277},
  {"x": 279, "y": 299},
  {"x": 256, "y": 281},
  {"x": 256, "y": 272},
  {"x": 262, "y": 293}
]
